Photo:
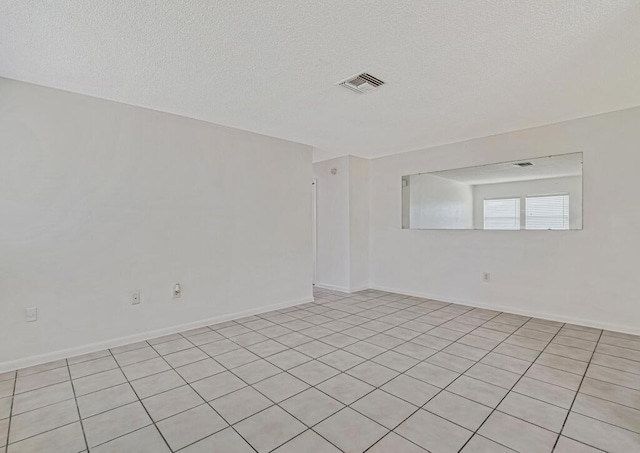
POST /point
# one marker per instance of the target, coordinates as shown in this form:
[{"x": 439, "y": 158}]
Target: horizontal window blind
[
  {"x": 547, "y": 212},
  {"x": 502, "y": 214}
]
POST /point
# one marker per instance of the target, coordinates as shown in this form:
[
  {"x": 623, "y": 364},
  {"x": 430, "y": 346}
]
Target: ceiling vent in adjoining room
[
  {"x": 523, "y": 164},
  {"x": 362, "y": 83}
]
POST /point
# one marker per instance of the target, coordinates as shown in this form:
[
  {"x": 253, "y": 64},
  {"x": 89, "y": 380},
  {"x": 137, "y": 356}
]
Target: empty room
[{"x": 290, "y": 226}]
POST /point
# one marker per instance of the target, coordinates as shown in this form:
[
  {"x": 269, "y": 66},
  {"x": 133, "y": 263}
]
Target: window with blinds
[
  {"x": 547, "y": 212},
  {"x": 502, "y": 214}
]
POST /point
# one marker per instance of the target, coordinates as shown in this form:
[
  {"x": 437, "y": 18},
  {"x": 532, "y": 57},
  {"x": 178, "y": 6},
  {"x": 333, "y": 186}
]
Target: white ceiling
[
  {"x": 454, "y": 69},
  {"x": 543, "y": 168}
]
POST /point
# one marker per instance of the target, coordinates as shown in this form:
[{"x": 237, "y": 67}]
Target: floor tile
[
  {"x": 256, "y": 371},
  {"x": 505, "y": 362},
  {"x": 88, "y": 357},
  {"x": 364, "y": 349},
  {"x": 315, "y": 349},
  {"x": 395, "y": 361},
  {"x": 288, "y": 359},
  {"x": 135, "y": 356},
  {"x": 566, "y": 445},
  {"x": 479, "y": 444},
  {"x": 267, "y": 348},
  {"x": 534, "y": 411},
  {"x": 219, "y": 347},
  {"x": 105, "y": 400},
  {"x": 6, "y": 388},
  {"x": 200, "y": 370},
  {"x": 5, "y": 407},
  {"x": 204, "y": 338},
  {"x": 517, "y": 434},
  {"x": 396, "y": 444},
  {"x": 294, "y": 339},
  {"x": 601, "y": 373},
  {"x": 191, "y": 426},
  {"x": 45, "y": 396},
  {"x": 415, "y": 350},
  {"x": 269, "y": 429},
  {"x": 611, "y": 392},
  {"x": 308, "y": 441},
  {"x": 185, "y": 357},
  {"x": 345, "y": 388},
  {"x": 433, "y": 374},
  {"x": 171, "y": 402},
  {"x": 223, "y": 441},
  {"x": 492, "y": 375},
  {"x": 240, "y": 404},
  {"x": 478, "y": 391},
  {"x": 115, "y": 423},
  {"x": 434, "y": 433},
  {"x": 554, "y": 376},
  {"x": 545, "y": 392},
  {"x": 44, "y": 419},
  {"x": 411, "y": 390},
  {"x": 341, "y": 360},
  {"x": 350, "y": 431},
  {"x": 157, "y": 383},
  {"x": 42, "y": 367},
  {"x": 146, "y": 368},
  {"x": 600, "y": 435},
  {"x": 606, "y": 411},
  {"x": 311, "y": 406},
  {"x": 451, "y": 362},
  {"x": 236, "y": 358},
  {"x": 218, "y": 385},
  {"x": 313, "y": 372},
  {"x": 145, "y": 440},
  {"x": 98, "y": 381},
  {"x": 459, "y": 410},
  {"x": 66, "y": 439},
  {"x": 372, "y": 373},
  {"x": 384, "y": 408},
  {"x": 39, "y": 380},
  {"x": 280, "y": 387},
  {"x": 562, "y": 363}
]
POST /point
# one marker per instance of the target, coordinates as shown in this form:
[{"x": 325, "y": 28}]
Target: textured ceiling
[{"x": 454, "y": 70}]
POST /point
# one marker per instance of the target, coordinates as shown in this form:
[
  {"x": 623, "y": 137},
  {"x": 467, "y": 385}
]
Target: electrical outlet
[
  {"x": 31, "y": 314},
  {"x": 135, "y": 298},
  {"x": 486, "y": 277},
  {"x": 177, "y": 291}
]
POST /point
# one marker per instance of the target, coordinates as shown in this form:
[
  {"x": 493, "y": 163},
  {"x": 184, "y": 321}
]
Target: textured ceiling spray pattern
[{"x": 454, "y": 70}]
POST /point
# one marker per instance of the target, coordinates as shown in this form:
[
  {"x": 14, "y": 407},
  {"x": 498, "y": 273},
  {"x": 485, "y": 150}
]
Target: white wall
[
  {"x": 437, "y": 202},
  {"x": 570, "y": 184},
  {"x": 332, "y": 225},
  {"x": 358, "y": 223},
  {"x": 342, "y": 223},
  {"x": 98, "y": 199},
  {"x": 587, "y": 276}
]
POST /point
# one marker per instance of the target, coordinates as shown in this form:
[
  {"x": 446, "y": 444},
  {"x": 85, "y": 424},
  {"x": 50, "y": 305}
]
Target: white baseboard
[
  {"x": 148, "y": 335},
  {"x": 342, "y": 289},
  {"x": 532, "y": 313}
]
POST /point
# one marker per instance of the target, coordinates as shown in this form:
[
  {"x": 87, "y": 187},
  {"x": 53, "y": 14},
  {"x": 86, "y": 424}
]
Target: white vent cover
[{"x": 362, "y": 83}]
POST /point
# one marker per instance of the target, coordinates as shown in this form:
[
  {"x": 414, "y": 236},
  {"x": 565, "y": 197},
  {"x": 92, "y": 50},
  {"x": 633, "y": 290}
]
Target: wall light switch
[
  {"x": 31, "y": 314},
  {"x": 135, "y": 298}
]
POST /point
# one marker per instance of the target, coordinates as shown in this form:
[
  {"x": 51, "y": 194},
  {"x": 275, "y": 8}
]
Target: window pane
[
  {"x": 550, "y": 212},
  {"x": 502, "y": 214}
]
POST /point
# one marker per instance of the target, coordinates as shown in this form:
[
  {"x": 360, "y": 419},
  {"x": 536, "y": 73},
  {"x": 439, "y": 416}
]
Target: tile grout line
[
  {"x": 13, "y": 395},
  {"x": 511, "y": 388},
  {"x": 577, "y": 391},
  {"x": 75, "y": 400}
]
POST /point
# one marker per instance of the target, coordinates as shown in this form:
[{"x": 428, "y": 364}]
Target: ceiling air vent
[
  {"x": 362, "y": 83},
  {"x": 523, "y": 164}
]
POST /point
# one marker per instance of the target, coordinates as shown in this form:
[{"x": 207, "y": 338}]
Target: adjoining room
[{"x": 319, "y": 227}]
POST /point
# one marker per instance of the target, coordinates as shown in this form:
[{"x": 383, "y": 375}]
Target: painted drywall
[
  {"x": 342, "y": 225},
  {"x": 550, "y": 186},
  {"x": 99, "y": 199},
  {"x": 332, "y": 223},
  {"x": 587, "y": 276},
  {"x": 358, "y": 223},
  {"x": 436, "y": 202}
]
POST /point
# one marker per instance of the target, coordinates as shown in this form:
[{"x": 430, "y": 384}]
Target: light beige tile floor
[{"x": 371, "y": 371}]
